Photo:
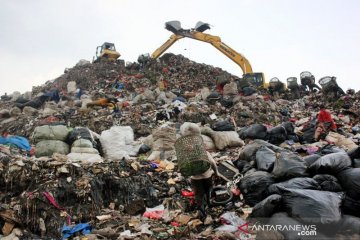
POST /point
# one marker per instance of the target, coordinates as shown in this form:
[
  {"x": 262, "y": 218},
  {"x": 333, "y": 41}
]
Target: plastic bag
[
  {"x": 226, "y": 139},
  {"x": 49, "y": 147},
  {"x": 223, "y": 126},
  {"x": 311, "y": 159},
  {"x": 80, "y": 133},
  {"x": 242, "y": 166},
  {"x": 255, "y": 131},
  {"x": 288, "y": 165},
  {"x": 248, "y": 152},
  {"x": 331, "y": 164},
  {"x": 313, "y": 206},
  {"x": 356, "y": 163},
  {"x": 327, "y": 149},
  {"x": 265, "y": 159},
  {"x": 350, "y": 224},
  {"x": 350, "y": 182},
  {"x": 155, "y": 212},
  {"x": 254, "y": 185},
  {"x": 232, "y": 222},
  {"x": 266, "y": 207},
  {"x": 117, "y": 143},
  {"x": 351, "y": 206},
  {"x": 164, "y": 138},
  {"x": 49, "y": 132},
  {"x": 328, "y": 182},
  {"x": 18, "y": 141},
  {"x": 85, "y": 157},
  {"x": 289, "y": 128},
  {"x": 277, "y": 135},
  {"x": 230, "y": 218},
  {"x": 83, "y": 143},
  {"x": 294, "y": 183}
]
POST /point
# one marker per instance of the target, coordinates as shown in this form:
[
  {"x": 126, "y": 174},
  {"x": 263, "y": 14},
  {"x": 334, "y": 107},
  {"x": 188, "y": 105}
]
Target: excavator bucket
[
  {"x": 201, "y": 27},
  {"x": 173, "y": 26}
]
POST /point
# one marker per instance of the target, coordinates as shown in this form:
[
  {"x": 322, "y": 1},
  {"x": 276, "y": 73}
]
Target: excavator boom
[
  {"x": 173, "y": 38},
  {"x": 197, "y": 34},
  {"x": 238, "y": 58}
]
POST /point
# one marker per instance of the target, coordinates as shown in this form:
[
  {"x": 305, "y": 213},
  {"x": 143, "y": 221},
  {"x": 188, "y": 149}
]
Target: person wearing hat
[
  {"x": 202, "y": 183},
  {"x": 324, "y": 123}
]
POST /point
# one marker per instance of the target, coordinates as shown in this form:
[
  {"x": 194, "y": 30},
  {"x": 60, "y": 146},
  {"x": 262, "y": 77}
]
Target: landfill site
[{"x": 169, "y": 148}]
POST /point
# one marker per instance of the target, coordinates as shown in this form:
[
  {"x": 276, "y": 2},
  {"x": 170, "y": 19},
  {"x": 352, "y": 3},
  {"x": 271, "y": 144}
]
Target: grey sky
[{"x": 40, "y": 38}]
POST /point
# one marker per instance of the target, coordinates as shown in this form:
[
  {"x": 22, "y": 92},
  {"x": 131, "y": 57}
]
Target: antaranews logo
[{"x": 302, "y": 230}]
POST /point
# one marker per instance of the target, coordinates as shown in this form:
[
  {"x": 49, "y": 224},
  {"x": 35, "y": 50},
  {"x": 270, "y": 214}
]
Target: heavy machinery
[
  {"x": 106, "y": 52},
  {"x": 256, "y": 79}
]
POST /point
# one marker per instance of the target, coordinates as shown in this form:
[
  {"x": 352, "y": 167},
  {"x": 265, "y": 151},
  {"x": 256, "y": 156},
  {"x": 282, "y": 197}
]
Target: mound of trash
[{"x": 91, "y": 155}]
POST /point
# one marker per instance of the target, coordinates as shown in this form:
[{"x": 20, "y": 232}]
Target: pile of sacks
[
  {"x": 161, "y": 142},
  {"x": 284, "y": 187},
  {"x": 83, "y": 146},
  {"x": 78, "y": 144},
  {"x": 50, "y": 139}
]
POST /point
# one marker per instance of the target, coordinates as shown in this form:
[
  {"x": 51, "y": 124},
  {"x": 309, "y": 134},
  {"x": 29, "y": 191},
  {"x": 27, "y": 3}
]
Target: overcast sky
[{"x": 40, "y": 38}]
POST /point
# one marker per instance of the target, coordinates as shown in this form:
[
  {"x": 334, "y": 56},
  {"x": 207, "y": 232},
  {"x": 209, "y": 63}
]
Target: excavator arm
[
  {"x": 238, "y": 58},
  {"x": 173, "y": 38},
  {"x": 196, "y": 33}
]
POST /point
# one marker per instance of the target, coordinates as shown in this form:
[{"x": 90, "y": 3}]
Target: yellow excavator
[
  {"x": 106, "y": 52},
  {"x": 255, "y": 79}
]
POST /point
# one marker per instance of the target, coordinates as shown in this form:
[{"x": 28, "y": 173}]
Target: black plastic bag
[
  {"x": 248, "y": 153},
  {"x": 311, "y": 159},
  {"x": 266, "y": 207},
  {"x": 248, "y": 91},
  {"x": 350, "y": 224},
  {"x": 289, "y": 165},
  {"x": 289, "y": 127},
  {"x": 327, "y": 149},
  {"x": 277, "y": 135},
  {"x": 350, "y": 182},
  {"x": 351, "y": 206},
  {"x": 356, "y": 163},
  {"x": 80, "y": 133},
  {"x": 354, "y": 153},
  {"x": 242, "y": 166},
  {"x": 309, "y": 131},
  {"x": 331, "y": 163},
  {"x": 253, "y": 186},
  {"x": 227, "y": 102},
  {"x": 144, "y": 149},
  {"x": 312, "y": 206},
  {"x": 265, "y": 159},
  {"x": 213, "y": 97},
  {"x": 294, "y": 183},
  {"x": 328, "y": 182},
  {"x": 254, "y": 131},
  {"x": 223, "y": 126}
]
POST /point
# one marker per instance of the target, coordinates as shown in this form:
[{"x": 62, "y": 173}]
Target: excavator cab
[
  {"x": 255, "y": 79},
  {"x": 106, "y": 51}
]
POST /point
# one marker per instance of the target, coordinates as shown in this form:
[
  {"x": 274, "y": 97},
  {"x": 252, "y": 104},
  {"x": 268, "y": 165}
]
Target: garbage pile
[{"x": 92, "y": 155}]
